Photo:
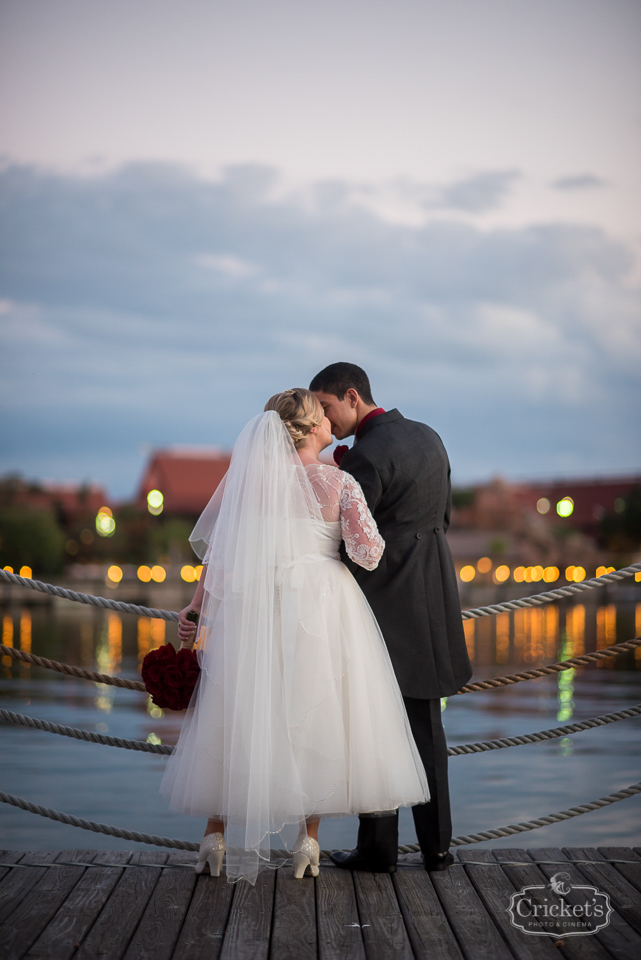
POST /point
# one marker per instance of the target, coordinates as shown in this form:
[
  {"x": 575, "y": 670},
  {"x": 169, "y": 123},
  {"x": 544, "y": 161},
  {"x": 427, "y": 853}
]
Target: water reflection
[{"x": 120, "y": 787}]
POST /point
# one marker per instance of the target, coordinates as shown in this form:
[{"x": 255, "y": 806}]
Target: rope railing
[
  {"x": 496, "y": 834},
  {"x": 462, "y": 749},
  {"x": 561, "y": 665},
  {"x": 536, "y": 600}
]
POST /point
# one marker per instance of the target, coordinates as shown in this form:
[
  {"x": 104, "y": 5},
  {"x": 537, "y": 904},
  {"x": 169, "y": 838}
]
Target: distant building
[
  {"x": 186, "y": 477},
  {"x": 69, "y": 501},
  {"x": 591, "y": 499}
]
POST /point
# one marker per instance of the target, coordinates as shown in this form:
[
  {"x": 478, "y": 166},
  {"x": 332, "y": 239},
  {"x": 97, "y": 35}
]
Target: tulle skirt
[{"x": 329, "y": 736}]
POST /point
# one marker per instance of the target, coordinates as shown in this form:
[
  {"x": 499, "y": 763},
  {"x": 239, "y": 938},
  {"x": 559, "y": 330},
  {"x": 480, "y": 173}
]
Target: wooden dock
[{"x": 147, "y": 911}]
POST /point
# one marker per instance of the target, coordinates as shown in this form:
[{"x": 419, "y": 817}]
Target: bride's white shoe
[
  {"x": 212, "y": 851},
  {"x": 306, "y": 854}
]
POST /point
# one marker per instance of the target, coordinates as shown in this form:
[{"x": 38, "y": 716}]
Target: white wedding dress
[{"x": 297, "y": 711}]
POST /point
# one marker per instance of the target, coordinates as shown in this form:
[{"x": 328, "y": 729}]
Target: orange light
[
  {"x": 144, "y": 574},
  {"x": 569, "y": 573},
  {"x": 188, "y": 573},
  {"x": 637, "y": 577},
  {"x": 551, "y": 574},
  {"x": 158, "y": 574},
  {"x": 501, "y": 573},
  {"x": 537, "y": 574},
  {"x": 26, "y": 572},
  {"x": 578, "y": 574},
  {"x": 484, "y": 565},
  {"x": 8, "y": 569},
  {"x": 197, "y": 571},
  {"x": 519, "y": 574},
  {"x": 115, "y": 574}
]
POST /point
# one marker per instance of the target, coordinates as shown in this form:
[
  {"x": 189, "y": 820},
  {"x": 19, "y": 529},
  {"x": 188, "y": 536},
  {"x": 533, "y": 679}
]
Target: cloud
[
  {"x": 150, "y": 305},
  {"x": 579, "y": 181},
  {"x": 477, "y": 194}
]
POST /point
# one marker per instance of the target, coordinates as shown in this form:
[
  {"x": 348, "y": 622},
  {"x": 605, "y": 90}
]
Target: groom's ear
[{"x": 352, "y": 396}]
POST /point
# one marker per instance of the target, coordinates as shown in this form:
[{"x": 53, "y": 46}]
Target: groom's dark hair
[{"x": 338, "y": 378}]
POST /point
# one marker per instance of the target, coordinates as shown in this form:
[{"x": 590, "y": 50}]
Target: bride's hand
[{"x": 186, "y": 628}]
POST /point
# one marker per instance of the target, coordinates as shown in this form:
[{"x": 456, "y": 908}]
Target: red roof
[{"x": 186, "y": 478}]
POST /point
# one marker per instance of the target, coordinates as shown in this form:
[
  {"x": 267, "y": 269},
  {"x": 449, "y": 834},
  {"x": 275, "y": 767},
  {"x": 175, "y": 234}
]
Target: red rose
[
  {"x": 152, "y": 673},
  {"x": 191, "y": 678},
  {"x": 173, "y": 678},
  {"x": 184, "y": 658},
  {"x": 166, "y": 652}
]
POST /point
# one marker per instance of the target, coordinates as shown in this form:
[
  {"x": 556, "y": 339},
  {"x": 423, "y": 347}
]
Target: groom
[{"x": 403, "y": 469}]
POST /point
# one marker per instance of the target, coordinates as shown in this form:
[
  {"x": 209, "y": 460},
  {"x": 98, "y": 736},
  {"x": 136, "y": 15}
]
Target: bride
[{"x": 297, "y": 714}]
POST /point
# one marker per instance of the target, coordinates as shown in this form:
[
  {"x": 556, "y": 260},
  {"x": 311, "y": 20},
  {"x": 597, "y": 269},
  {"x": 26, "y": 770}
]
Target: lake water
[{"x": 488, "y": 790}]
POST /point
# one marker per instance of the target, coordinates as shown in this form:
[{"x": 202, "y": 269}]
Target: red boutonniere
[
  {"x": 170, "y": 677},
  {"x": 339, "y": 453}
]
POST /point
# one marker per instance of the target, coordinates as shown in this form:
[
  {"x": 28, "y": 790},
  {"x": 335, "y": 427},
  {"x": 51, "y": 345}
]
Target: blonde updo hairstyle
[{"x": 299, "y": 410}]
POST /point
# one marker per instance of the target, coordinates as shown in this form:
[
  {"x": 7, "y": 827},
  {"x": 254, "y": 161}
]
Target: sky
[{"x": 203, "y": 203}]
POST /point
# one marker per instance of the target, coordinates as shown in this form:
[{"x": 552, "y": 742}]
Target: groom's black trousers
[{"x": 433, "y": 820}]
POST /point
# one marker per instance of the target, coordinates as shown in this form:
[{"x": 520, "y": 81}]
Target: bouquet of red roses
[{"x": 170, "y": 677}]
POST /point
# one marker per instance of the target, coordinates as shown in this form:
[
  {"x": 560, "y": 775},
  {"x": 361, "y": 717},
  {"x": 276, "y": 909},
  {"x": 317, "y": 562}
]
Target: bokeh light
[
  {"x": 565, "y": 507},
  {"x": 105, "y": 523},
  {"x": 484, "y": 565},
  {"x": 601, "y": 571},
  {"x": 188, "y": 573},
  {"x": 536, "y": 573},
  {"x": 8, "y": 569},
  {"x": 26, "y": 572},
  {"x": 114, "y": 573},
  {"x": 578, "y": 574},
  {"x": 501, "y": 573},
  {"x": 197, "y": 571},
  {"x": 467, "y": 573},
  {"x": 144, "y": 573},
  {"x": 158, "y": 574},
  {"x": 551, "y": 574},
  {"x": 155, "y": 502},
  {"x": 519, "y": 574},
  {"x": 543, "y": 505}
]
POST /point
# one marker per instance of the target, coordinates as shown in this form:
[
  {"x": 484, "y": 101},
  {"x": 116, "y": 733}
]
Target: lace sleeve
[{"x": 363, "y": 542}]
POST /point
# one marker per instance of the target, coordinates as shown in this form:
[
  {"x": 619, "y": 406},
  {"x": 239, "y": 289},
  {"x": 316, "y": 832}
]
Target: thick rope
[
  {"x": 87, "y": 735},
  {"x": 462, "y": 749},
  {"x": 104, "y": 602},
  {"x": 540, "y": 598},
  {"x": 71, "y": 671},
  {"x": 97, "y": 827},
  {"x": 534, "y": 601},
  {"x": 409, "y": 848},
  {"x": 552, "y": 734},
  {"x": 559, "y": 667}
]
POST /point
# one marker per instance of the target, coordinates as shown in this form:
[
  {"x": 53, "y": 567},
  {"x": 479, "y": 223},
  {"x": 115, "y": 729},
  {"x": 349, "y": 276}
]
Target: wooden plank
[
  {"x": 631, "y": 871},
  {"x": 294, "y": 923},
  {"x": 250, "y": 919},
  {"x": 478, "y": 937},
  {"x": 9, "y": 856},
  {"x": 337, "y": 920},
  {"x": 114, "y": 928},
  {"x": 65, "y": 932},
  {"x": 618, "y": 937},
  {"x": 384, "y": 933},
  {"x": 201, "y": 937},
  {"x": 27, "y": 921},
  {"x": 162, "y": 920},
  {"x": 17, "y": 884},
  {"x": 495, "y": 890},
  {"x": 624, "y": 896},
  {"x": 425, "y": 920},
  {"x": 575, "y": 948}
]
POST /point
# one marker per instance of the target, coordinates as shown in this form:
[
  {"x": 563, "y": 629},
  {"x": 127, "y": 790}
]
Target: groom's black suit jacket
[{"x": 404, "y": 471}]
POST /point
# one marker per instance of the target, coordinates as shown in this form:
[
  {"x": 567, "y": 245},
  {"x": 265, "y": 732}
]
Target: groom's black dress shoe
[
  {"x": 436, "y": 862},
  {"x": 377, "y": 846}
]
